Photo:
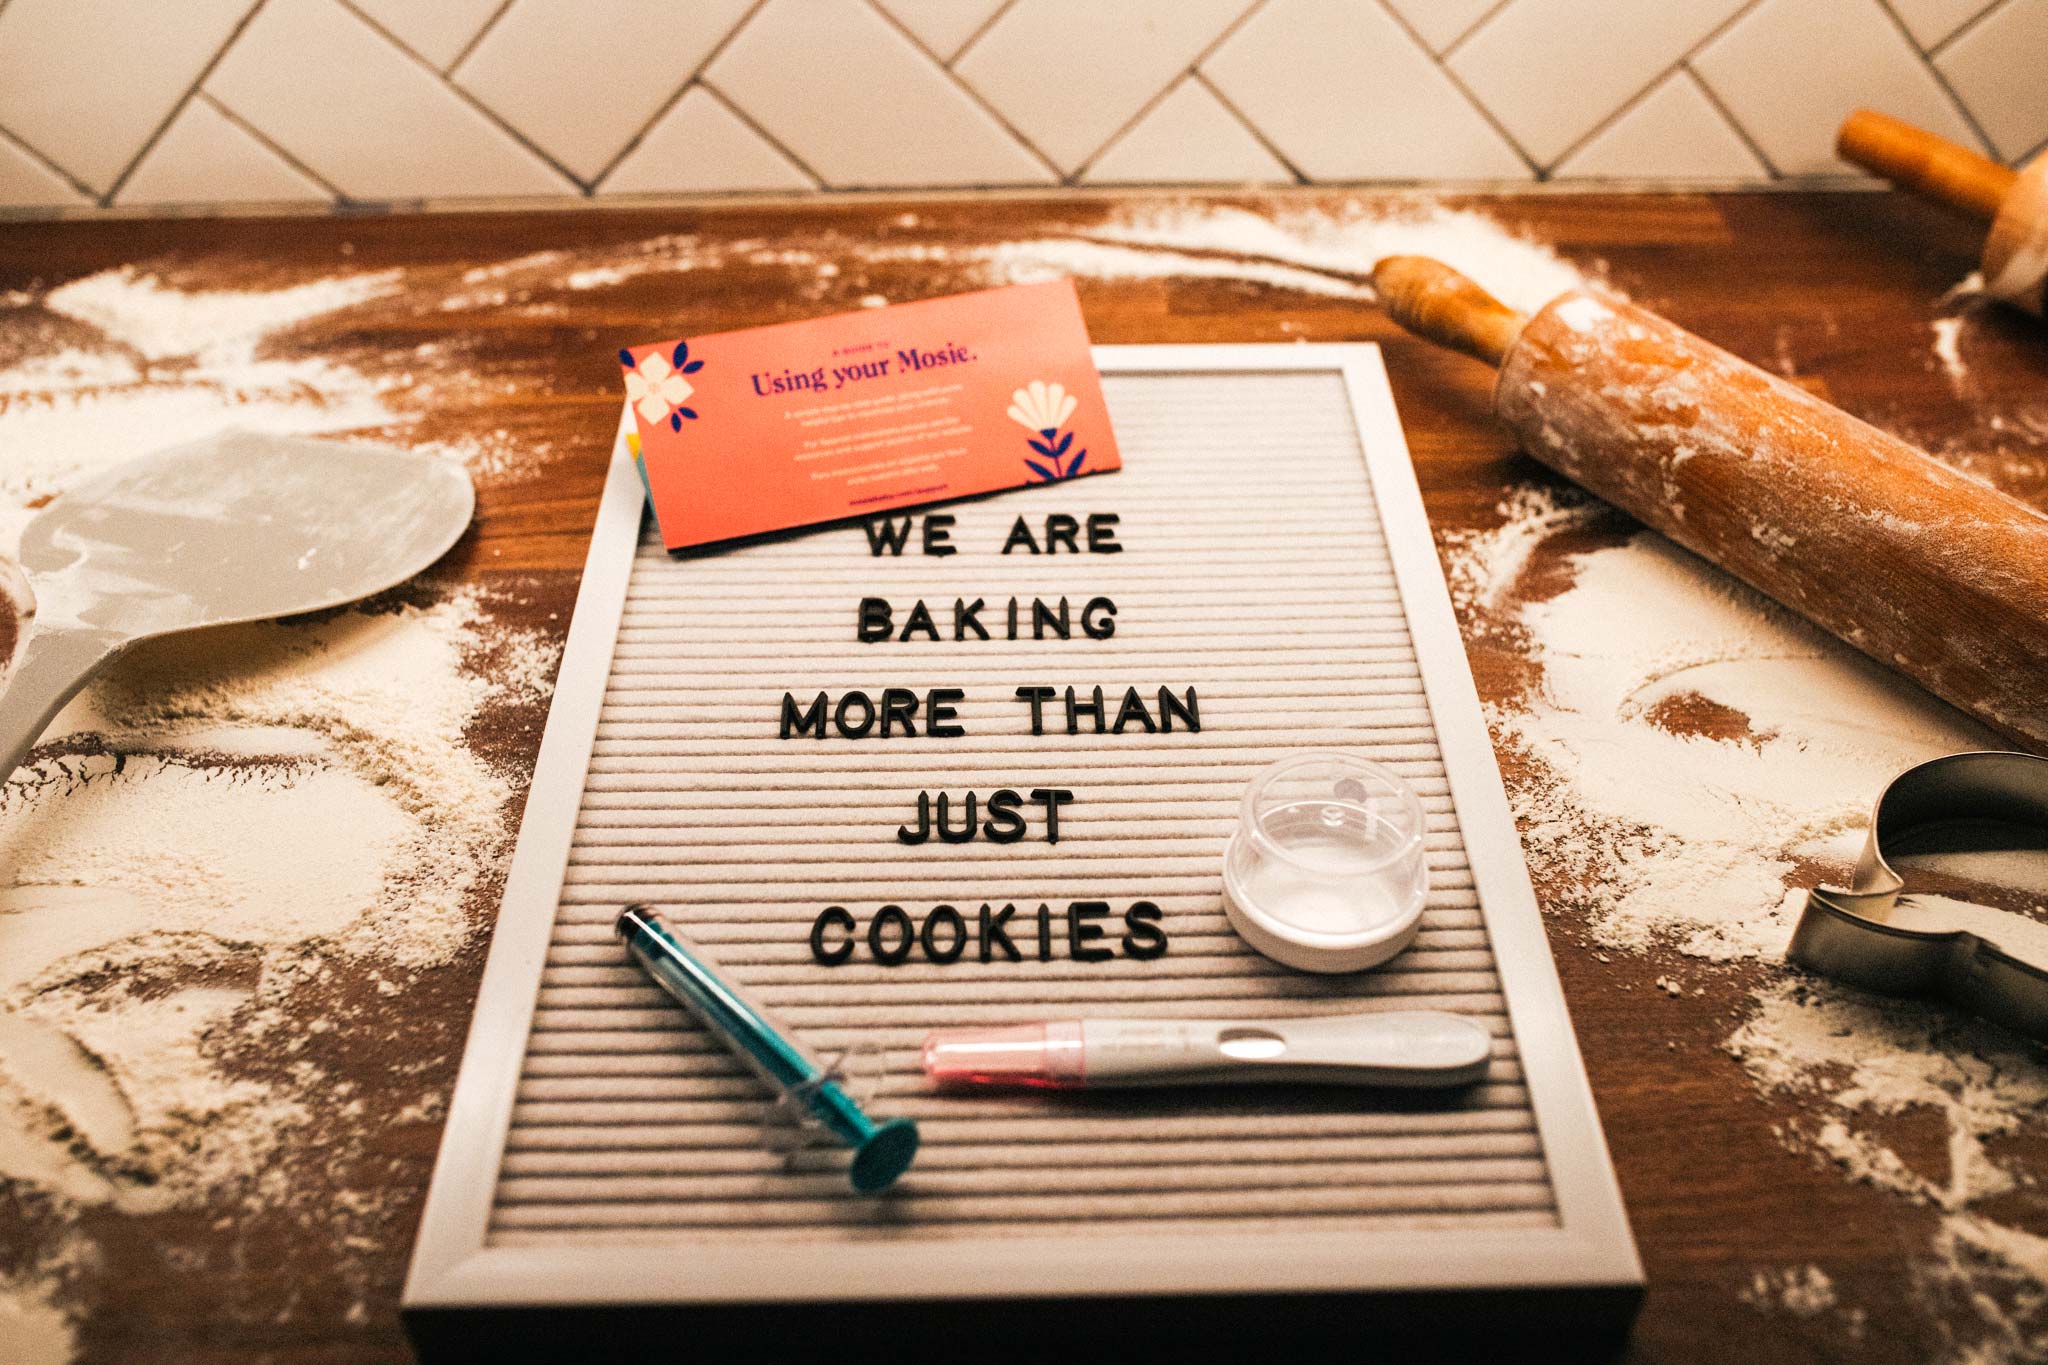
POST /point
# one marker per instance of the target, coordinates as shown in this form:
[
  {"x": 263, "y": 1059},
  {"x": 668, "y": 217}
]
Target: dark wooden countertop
[{"x": 1838, "y": 288}]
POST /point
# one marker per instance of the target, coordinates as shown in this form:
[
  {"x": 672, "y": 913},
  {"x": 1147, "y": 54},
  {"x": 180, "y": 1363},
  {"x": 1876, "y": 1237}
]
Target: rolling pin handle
[
  {"x": 1436, "y": 302},
  {"x": 1918, "y": 161}
]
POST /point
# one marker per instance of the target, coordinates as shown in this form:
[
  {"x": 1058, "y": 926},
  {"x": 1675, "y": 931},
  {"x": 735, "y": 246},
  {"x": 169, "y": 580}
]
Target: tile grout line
[
  {"x": 979, "y": 33},
  {"x": 732, "y": 107},
  {"x": 1258, "y": 134},
  {"x": 149, "y": 143},
  {"x": 1941, "y": 79},
  {"x": 1159, "y": 96},
  {"x": 1713, "y": 96},
  {"x": 263, "y": 139},
  {"x": 1464, "y": 92},
  {"x": 1614, "y": 116},
  {"x": 1082, "y": 168},
  {"x": 1960, "y": 29},
  {"x": 34, "y": 154},
  {"x": 1059, "y": 176},
  {"x": 696, "y": 77},
  {"x": 1683, "y": 63},
  {"x": 463, "y": 96},
  {"x": 462, "y": 55},
  {"x": 1193, "y": 72},
  {"x": 1481, "y": 22}
]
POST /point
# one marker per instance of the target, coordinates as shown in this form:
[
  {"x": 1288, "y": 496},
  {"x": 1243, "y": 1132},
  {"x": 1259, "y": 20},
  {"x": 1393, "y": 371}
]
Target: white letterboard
[{"x": 1274, "y": 558}]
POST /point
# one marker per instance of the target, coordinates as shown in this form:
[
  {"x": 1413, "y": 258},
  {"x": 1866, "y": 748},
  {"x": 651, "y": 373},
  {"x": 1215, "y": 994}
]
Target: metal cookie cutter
[{"x": 1872, "y": 937}]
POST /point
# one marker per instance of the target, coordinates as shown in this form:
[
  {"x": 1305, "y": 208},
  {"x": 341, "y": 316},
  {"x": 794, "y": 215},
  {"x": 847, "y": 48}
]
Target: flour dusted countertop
[{"x": 245, "y": 889}]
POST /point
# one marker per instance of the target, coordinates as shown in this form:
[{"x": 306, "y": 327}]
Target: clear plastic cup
[{"x": 1326, "y": 871}]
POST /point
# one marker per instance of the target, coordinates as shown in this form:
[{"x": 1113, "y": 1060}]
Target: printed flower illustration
[
  {"x": 1045, "y": 408},
  {"x": 656, "y": 387},
  {"x": 1042, "y": 407}
]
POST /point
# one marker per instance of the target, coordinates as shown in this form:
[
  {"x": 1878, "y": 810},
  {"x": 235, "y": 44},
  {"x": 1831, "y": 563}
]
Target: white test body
[
  {"x": 1399, "y": 1048},
  {"x": 1408, "y": 1048}
]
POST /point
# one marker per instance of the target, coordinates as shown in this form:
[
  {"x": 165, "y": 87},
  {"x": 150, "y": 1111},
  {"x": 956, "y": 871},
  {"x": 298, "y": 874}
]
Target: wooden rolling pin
[
  {"x": 2014, "y": 203},
  {"x": 1924, "y": 569}
]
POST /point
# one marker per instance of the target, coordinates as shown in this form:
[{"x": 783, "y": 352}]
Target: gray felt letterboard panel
[
  {"x": 1253, "y": 570},
  {"x": 1257, "y": 569}
]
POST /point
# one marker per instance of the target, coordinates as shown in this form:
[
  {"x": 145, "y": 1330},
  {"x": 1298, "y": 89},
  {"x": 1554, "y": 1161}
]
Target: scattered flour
[
  {"x": 275, "y": 785},
  {"x": 1802, "y": 1291},
  {"x": 1319, "y": 251},
  {"x": 1316, "y": 250},
  {"x": 217, "y": 328},
  {"x": 1700, "y": 854},
  {"x": 1484, "y": 567},
  {"x": 1312, "y": 251},
  {"x": 1948, "y": 334},
  {"x": 172, "y": 367},
  {"x": 1700, "y": 755},
  {"x": 222, "y": 817},
  {"x": 597, "y": 278},
  {"x": 33, "y": 1329}
]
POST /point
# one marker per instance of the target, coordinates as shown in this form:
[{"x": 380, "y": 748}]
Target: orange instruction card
[{"x": 800, "y": 423}]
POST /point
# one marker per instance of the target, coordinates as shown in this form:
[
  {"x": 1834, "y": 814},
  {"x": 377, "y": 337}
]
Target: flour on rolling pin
[
  {"x": 1924, "y": 569},
  {"x": 2015, "y": 203}
]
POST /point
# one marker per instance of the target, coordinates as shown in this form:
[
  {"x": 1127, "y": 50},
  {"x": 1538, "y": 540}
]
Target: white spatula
[{"x": 236, "y": 527}]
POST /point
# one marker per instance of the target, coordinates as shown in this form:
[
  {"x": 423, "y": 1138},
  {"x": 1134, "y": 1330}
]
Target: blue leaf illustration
[
  {"x": 1041, "y": 447},
  {"x": 693, "y": 367},
  {"x": 1065, "y": 441},
  {"x": 626, "y": 359},
  {"x": 1040, "y": 470},
  {"x": 691, "y": 413},
  {"x": 675, "y": 421},
  {"x": 682, "y": 353},
  {"x": 1075, "y": 467}
]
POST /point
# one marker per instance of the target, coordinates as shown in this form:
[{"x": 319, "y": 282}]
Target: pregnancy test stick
[{"x": 1405, "y": 1048}]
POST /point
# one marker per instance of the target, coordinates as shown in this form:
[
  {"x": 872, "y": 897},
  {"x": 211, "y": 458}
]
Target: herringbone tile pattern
[{"x": 117, "y": 102}]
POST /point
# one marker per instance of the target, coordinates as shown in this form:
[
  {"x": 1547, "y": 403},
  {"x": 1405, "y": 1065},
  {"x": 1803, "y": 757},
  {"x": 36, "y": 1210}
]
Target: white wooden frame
[{"x": 1590, "y": 1248}]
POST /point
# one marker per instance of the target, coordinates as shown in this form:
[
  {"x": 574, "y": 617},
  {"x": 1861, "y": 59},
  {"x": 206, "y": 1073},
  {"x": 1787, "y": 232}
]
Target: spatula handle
[{"x": 55, "y": 665}]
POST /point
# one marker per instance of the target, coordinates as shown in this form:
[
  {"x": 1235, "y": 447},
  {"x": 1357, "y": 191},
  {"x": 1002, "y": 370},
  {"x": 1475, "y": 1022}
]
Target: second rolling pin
[
  {"x": 2014, "y": 203},
  {"x": 1924, "y": 569}
]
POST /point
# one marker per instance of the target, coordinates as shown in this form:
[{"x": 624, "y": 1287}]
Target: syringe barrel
[{"x": 743, "y": 1024}]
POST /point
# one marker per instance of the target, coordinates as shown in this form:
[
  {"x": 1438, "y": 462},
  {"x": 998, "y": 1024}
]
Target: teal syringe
[{"x": 881, "y": 1151}]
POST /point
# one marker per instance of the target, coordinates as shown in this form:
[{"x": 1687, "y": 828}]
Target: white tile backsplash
[
  {"x": 1932, "y": 22},
  {"x": 365, "y": 116},
  {"x": 1067, "y": 74},
  {"x": 1191, "y": 138},
  {"x": 204, "y": 157},
  {"x": 396, "y": 100},
  {"x": 582, "y": 78},
  {"x": 943, "y": 26},
  {"x": 1346, "y": 94},
  {"x": 860, "y": 104},
  {"x": 1999, "y": 68},
  {"x": 701, "y": 146},
  {"x": 88, "y": 82},
  {"x": 26, "y": 183},
  {"x": 1612, "y": 52},
  {"x": 1439, "y": 23},
  {"x": 437, "y": 30},
  {"x": 1672, "y": 133},
  {"x": 1791, "y": 70}
]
